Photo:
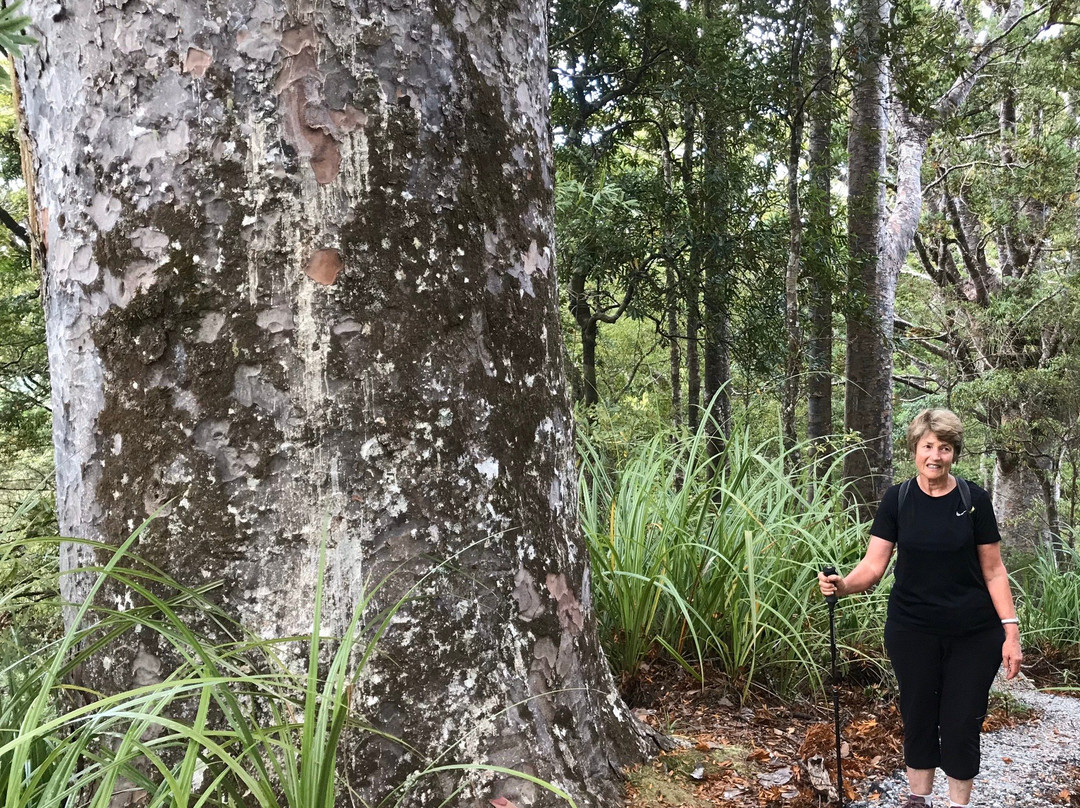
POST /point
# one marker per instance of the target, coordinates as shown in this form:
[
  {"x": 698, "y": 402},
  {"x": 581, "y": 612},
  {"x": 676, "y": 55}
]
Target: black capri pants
[{"x": 944, "y": 689}]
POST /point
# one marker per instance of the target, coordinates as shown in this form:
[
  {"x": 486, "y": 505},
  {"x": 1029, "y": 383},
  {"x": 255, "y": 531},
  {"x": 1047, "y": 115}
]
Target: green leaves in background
[{"x": 12, "y": 38}]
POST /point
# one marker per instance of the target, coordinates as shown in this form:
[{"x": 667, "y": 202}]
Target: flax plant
[
  {"x": 229, "y": 725},
  {"x": 716, "y": 559},
  {"x": 1049, "y": 599}
]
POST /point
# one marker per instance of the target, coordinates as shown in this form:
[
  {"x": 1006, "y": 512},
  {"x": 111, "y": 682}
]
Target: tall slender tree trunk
[
  {"x": 793, "y": 364},
  {"x": 692, "y": 280},
  {"x": 819, "y": 244},
  {"x": 298, "y": 272},
  {"x": 717, "y": 355},
  {"x": 693, "y": 343},
  {"x": 868, "y": 396},
  {"x": 672, "y": 291},
  {"x": 716, "y": 270},
  {"x": 674, "y": 349},
  {"x": 879, "y": 248},
  {"x": 589, "y": 327}
]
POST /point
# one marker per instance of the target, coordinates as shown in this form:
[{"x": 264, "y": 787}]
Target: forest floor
[{"x": 768, "y": 754}]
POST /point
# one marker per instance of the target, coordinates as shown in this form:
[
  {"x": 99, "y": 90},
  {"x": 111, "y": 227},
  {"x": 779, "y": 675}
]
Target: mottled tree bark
[
  {"x": 298, "y": 272},
  {"x": 1019, "y": 501}
]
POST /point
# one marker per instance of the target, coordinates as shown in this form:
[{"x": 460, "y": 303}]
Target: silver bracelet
[{"x": 1015, "y": 620}]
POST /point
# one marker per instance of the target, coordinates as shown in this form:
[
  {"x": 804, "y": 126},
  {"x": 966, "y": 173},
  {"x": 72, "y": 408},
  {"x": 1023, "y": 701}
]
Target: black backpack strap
[
  {"x": 965, "y": 495},
  {"x": 905, "y": 486},
  {"x": 961, "y": 483}
]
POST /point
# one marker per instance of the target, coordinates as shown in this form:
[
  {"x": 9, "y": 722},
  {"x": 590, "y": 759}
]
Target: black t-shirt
[{"x": 939, "y": 585}]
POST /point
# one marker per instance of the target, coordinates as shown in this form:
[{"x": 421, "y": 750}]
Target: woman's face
[{"x": 933, "y": 457}]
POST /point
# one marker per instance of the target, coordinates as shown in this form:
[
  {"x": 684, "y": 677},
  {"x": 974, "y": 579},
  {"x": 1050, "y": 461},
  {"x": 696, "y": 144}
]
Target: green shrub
[
  {"x": 718, "y": 562},
  {"x": 1047, "y": 589}
]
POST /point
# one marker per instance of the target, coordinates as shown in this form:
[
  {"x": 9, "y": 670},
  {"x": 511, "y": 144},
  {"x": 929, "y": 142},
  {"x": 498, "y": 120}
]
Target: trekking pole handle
[{"x": 830, "y": 599}]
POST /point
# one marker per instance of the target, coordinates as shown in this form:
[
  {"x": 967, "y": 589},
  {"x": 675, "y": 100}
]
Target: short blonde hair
[{"x": 945, "y": 424}]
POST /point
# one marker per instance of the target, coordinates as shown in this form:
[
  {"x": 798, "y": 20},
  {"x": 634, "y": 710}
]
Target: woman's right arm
[{"x": 866, "y": 573}]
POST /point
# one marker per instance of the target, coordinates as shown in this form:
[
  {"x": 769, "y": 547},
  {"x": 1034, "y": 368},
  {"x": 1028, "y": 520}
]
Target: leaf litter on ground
[{"x": 768, "y": 754}]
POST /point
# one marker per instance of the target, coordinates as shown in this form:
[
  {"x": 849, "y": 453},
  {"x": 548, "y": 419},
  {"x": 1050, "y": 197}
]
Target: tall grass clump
[
  {"x": 229, "y": 724},
  {"x": 1048, "y": 598},
  {"x": 717, "y": 561}
]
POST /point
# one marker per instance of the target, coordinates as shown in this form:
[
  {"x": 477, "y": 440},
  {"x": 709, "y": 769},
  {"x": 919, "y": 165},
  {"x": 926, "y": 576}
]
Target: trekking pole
[{"x": 831, "y": 600}]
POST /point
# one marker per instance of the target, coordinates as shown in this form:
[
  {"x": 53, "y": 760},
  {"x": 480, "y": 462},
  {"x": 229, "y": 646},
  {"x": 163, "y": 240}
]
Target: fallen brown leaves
[
  {"x": 1069, "y": 797},
  {"x": 755, "y": 755}
]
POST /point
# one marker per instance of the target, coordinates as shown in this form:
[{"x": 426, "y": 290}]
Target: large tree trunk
[
  {"x": 819, "y": 246},
  {"x": 868, "y": 397},
  {"x": 1019, "y": 503},
  {"x": 298, "y": 267}
]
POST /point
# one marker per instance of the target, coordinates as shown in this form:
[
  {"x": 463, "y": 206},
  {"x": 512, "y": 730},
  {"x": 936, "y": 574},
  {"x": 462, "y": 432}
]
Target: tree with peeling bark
[
  {"x": 999, "y": 243},
  {"x": 298, "y": 272},
  {"x": 880, "y": 236}
]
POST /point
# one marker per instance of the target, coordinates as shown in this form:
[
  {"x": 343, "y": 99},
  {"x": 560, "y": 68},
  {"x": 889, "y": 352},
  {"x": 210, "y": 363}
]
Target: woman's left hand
[{"x": 1011, "y": 655}]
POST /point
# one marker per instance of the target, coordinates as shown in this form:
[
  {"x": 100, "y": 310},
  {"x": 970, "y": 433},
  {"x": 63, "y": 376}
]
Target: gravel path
[{"x": 1025, "y": 766}]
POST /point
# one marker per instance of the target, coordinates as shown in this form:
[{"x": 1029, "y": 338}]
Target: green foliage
[
  {"x": 923, "y": 52},
  {"x": 718, "y": 565},
  {"x": 12, "y": 38},
  {"x": 1049, "y": 599},
  {"x": 253, "y": 732},
  {"x": 28, "y": 578},
  {"x": 25, "y": 419},
  {"x": 604, "y": 231}
]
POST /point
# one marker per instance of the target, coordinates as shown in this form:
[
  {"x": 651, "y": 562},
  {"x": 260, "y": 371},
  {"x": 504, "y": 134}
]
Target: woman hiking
[{"x": 951, "y": 619}]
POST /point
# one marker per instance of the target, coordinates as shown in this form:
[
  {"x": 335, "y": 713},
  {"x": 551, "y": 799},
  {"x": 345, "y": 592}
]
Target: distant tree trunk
[
  {"x": 716, "y": 271},
  {"x": 693, "y": 353},
  {"x": 717, "y": 356},
  {"x": 1019, "y": 502},
  {"x": 674, "y": 350},
  {"x": 589, "y": 327},
  {"x": 868, "y": 407},
  {"x": 819, "y": 246},
  {"x": 868, "y": 401},
  {"x": 692, "y": 281},
  {"x": 1051, "y": 485},
  {"x": 793, "y": 363},
  {"x": 298, "y": 272},
  {"x": 671, "y": 289}
]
